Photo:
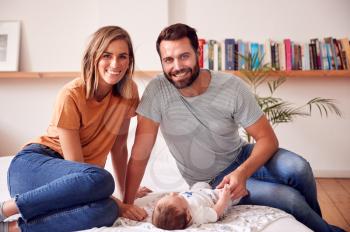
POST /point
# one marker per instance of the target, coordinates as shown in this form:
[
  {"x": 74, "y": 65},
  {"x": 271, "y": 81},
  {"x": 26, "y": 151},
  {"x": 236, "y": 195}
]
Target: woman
[{"x": 57, "y": 181}]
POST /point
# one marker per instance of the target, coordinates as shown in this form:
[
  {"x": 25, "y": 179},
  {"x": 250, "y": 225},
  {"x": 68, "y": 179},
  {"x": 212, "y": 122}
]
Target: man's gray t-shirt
[{"x": 202, "y": 131}]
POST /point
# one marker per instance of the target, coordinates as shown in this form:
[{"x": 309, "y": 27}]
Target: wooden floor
[{"x": 334, "y": 198}]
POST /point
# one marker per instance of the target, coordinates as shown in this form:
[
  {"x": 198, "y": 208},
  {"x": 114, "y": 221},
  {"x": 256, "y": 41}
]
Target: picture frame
[{"x": 9, "y": 45}]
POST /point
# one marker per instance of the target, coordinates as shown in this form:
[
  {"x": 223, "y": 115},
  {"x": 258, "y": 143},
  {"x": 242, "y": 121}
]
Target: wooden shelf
[
  {"x": 151, "y": 74},
  {"x": 33, "y": 75}
]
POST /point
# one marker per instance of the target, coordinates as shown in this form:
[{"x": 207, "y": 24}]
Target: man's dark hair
[{"x": 178, "y": 31}]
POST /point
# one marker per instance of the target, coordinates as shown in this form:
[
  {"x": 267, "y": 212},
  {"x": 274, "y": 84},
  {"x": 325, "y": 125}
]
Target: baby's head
[{"x": 171, "y": 212}]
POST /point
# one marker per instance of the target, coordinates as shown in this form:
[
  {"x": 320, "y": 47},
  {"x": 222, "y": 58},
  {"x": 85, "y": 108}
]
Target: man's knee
[
  {"x": 302, "y": 168},
  {"x": 275, "y": 195},
  {"x": 292, "y": 163}
]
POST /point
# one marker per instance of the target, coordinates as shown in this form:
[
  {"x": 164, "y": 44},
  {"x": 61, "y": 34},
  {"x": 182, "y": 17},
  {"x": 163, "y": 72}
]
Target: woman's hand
[
  {"x": 133, "y": 212},
  {"x": 129, "y": 211},
  {"x": 143, "y": 191}
]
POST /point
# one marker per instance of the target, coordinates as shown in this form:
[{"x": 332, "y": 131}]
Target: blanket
[{"x": 240, "y": 218}]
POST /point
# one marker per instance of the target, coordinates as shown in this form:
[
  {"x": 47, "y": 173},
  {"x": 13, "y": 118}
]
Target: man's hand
[
  {"x": 129, "y": 211},
  {"x": 143, "y": 191},
  {"x": 236, "y": 181}
]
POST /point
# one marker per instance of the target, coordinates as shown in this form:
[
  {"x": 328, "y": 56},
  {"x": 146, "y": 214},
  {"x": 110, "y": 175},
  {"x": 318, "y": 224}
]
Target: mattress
[{"x": 238, "y": 218}]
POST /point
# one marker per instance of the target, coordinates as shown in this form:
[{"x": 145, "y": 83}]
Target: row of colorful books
[{"x": 231, "y": 54}]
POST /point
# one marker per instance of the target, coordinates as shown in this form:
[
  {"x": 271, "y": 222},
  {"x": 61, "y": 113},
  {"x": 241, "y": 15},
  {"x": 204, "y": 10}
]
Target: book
[
  {"x": 247, "y": 64},
  {"x": 254, "y": 50},
  {"x": 219, "y": 58},
  {"x": 211, "y": 44},
  {"x": 342, "y": 55},
  {"x": 277, "y": 57},
  {"x": 216, "y": 57},
  {"x": 304, "y": 56},
  {"x": 206, "y": 56},
  {"x": 236, "y": 57},
  {"x": 297, "y": 57},
  {"x": 282, "y": 56},
  {"x": 273, "y": 55},
  {"x": 288, "y": 55},
  {"x": 338, "y": 54},
  {"x": 314, "y": 56},
  {"x": 329, "y": 40},
  {"x": 222, "y": 52},
  {"x": 201, "y": 43},
  {"x": 346, "y": 48},
  {"x": 317, "y": 53},
  {"x": 325, "y": 64},
  {"x": 345, "y": 64},
  {"x": 311, "y": 57},
  {"x": 329, "y": 55},
  {"x": 267, "y": 57},
  {"x": 241, "y": 51},
  {"x": 229, "y": 54}
]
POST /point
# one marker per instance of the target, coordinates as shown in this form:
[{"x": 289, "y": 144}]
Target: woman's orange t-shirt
[{"x": 98, "y": 123}]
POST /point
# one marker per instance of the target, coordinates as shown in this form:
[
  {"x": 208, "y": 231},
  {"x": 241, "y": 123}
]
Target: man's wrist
[{"x": 243, "y": 171}]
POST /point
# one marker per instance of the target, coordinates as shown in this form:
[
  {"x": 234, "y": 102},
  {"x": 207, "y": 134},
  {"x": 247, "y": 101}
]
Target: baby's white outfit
[{"x": 201, "y": 199}]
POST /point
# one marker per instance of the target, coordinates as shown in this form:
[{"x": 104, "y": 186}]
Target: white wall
[
  {"x": 258, "y": 20},
  {"x": 54, "y": 34}
]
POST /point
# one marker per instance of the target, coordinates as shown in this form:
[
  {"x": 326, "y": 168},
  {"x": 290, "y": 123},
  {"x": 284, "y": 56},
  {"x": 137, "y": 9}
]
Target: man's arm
[
  {"x": 119, "y": 156},
  {"x": 146, "y": 134},
  {"x": 264, "y": 148}
]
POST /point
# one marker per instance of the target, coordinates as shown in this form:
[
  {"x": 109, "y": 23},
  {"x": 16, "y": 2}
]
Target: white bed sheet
[
  {"x": 166, "y": 178},
  {"x": 240, "y": 218}
]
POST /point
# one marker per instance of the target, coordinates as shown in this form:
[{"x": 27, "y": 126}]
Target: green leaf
[{"x": 278, "y": 110}]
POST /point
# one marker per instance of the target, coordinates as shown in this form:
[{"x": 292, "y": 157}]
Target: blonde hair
[{"x": 97, "y": 45}]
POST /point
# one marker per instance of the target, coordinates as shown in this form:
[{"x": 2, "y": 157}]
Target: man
[{"x": 199, "y": 113}]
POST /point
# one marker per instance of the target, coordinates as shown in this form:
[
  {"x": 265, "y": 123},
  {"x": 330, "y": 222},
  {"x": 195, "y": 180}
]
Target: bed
[{"x": 162, "y": 176}]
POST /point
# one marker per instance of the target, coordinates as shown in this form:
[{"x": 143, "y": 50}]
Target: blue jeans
[
  {"x": 285, "y": 182},
  {"x": 53, "y": 194}
]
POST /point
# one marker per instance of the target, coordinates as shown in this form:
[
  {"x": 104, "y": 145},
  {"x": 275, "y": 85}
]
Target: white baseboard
[{"x": 331, "y": 173}]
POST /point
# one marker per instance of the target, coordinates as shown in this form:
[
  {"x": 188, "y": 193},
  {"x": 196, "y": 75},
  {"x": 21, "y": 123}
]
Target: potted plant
[{"x": 276, "y": 109}]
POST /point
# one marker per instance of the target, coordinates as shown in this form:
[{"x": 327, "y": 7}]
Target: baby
[{"x": 198, "y": 206}]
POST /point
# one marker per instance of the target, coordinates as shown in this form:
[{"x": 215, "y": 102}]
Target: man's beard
[{"x": 187, "y": 82}]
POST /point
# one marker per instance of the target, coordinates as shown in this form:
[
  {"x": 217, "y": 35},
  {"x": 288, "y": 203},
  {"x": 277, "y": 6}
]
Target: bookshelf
[
  {"x": 306, "y": 73},
  {"x": 151, "y": 74}
]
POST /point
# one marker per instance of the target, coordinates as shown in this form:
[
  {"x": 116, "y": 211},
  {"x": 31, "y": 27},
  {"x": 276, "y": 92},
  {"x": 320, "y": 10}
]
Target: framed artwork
[{"x": 9, "y": 45}]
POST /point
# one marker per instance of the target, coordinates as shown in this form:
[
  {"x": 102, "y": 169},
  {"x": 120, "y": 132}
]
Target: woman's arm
[
  {"x": 119, "y": 156},
  {"x": 70, "y": 144}
]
